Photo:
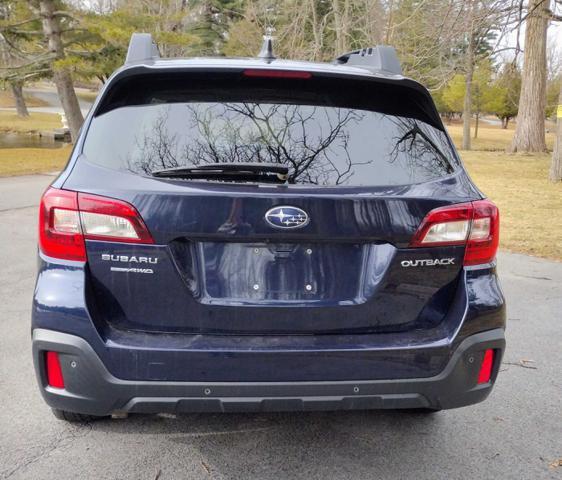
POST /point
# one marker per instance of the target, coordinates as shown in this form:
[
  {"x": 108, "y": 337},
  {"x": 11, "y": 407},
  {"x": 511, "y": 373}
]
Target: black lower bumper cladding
[{"x": 91, "y": 389}]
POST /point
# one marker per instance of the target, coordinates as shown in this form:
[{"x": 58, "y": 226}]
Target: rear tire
[{"x": 74, "y": 417}]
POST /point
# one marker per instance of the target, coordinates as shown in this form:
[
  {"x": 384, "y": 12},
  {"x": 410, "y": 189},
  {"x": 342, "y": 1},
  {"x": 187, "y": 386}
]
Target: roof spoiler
[
  {"x": 381, "y": 58},
  {"x": 142, "y": 49}
]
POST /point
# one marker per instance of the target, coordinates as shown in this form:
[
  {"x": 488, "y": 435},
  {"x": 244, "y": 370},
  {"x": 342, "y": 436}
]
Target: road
[{"x": 515, "y": 434}]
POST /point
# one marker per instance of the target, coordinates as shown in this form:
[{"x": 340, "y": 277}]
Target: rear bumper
[{"x": 91, "y": 389}]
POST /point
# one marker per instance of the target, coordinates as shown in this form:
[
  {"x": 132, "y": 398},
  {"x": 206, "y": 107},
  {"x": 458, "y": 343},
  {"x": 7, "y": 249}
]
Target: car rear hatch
[{"x": 326, "y": 250}]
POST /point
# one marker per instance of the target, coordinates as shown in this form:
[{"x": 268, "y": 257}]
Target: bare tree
[
  {"x": 487, "y": 21},
  {"x": 50, "y": 19},
  {"x": 41, "y": 19},
  {"x": 529, "y": 132},
  {"x": 468, "y": 74},
  {"x": 10, "y": 59},
  {"x": 14, "y": 81},
  {"x": 341, "y": 10},
  {"x": 16, "y": 86},
  {"x": 556, "y": 165}
]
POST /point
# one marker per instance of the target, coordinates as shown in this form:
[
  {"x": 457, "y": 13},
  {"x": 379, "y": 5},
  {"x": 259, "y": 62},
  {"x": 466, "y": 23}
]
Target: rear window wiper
[{"x": 242, "y": 172}]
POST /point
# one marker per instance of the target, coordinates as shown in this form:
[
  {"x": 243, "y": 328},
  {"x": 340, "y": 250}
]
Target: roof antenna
[{"x": 266, "y": 52}]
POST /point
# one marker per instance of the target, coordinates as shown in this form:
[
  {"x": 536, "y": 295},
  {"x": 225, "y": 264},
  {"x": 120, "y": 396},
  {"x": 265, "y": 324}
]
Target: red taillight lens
[
  {"x": 474, "y": 224},
  {"x": 109, "y": 219},
  {"x": 67, "y": 218},
  {"x": 60, "y": 233},
  {"x": 484, "y": 235},
  {"x": 486, "y": 369},
  {"x": 444, "y": 226},
  {"x": 53, "y": 370},
  {"x": 263, "y": 73}
]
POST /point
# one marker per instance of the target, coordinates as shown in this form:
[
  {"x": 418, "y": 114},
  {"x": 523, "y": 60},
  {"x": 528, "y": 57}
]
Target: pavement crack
[
  {"x": 13, "y": 209},
  {"x": 532, "y": 277},
  {"x": 60, "y": 442},
  {"x": 523, "y": 363}
]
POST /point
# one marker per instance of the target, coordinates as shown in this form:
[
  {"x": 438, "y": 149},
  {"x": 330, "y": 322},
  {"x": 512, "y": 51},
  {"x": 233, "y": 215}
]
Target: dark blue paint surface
[
  {"x": 199, "y": 317},
  {"x": 60, "y": 304}
]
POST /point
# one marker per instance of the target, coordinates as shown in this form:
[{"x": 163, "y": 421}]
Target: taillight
[
  {"x": 484, "y": 235},
  {"x": 109, "y": 219},
  {"x": 474, "y": 224},
  {"x": 266, "y": 73},
  {"x": 53, "y": 370},
  {"x": 486, "y": 368},
  {"x": 444, "y": 226},
  {"x": 60, "y": 234},
  {"x": 67, "y": 218}
]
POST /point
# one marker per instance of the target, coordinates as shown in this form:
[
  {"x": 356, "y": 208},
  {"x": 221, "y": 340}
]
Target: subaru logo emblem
[{"x": 287, "y": 217}]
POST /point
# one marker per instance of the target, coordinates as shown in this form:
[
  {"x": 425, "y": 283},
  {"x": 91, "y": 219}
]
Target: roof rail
[
  {"x": 142, "y": 49},
  {"x": 381, "y": 58}
]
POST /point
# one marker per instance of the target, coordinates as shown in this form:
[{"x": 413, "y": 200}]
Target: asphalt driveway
[{"x": 516, "y": 433}]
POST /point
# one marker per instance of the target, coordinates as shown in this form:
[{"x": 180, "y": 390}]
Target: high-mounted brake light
[
  {"x": 263, "y": 73},
  {"x": 474, "y": 224},
  {"x": 67, "y": 218}
]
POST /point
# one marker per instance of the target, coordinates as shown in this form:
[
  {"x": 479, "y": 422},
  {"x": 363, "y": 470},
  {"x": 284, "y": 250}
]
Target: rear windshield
[{"x": 328, "y": 132}]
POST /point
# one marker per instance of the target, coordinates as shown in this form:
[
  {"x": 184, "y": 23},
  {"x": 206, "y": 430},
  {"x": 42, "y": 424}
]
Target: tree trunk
[
  {"x": 476, "y": 124},
  {"x": 467, "y": 108},
  {"x": 316, "y": 31},
  {"x": 469, "y": 73},
  {"x": 61, "y": 77},
  {"x": 346, "y": 26},
  {"x": 341, "y": 25},
  {"x": 556, "y": 165},
  {"x": 529, "y": 131},
  {"x": 17, "y": 92},
  {"x": 338, "y": 27},
  {"x": 388, "y": 36}
]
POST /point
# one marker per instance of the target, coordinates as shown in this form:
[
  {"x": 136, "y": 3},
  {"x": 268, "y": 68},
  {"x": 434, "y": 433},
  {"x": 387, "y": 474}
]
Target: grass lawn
[
  {"x": 36, "y": 122},
  {"x": 7, "y": 100},
  {"x": 87, "y": 95},
  {"x": 530, "y": 206},
  {"x": 20, "y": 161},
  {"x": 491, "y": 138}
]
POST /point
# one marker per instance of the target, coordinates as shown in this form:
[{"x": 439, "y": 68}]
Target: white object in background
[{"x": 63, "y": 120}]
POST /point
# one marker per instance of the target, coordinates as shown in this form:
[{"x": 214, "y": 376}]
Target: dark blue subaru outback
[{"x": 264, "y": 235}]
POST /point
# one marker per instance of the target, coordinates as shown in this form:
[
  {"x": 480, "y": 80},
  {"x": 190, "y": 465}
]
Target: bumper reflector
[
  {"x": 486, "y": 368},
  {"x": 54, "y": 371}
]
